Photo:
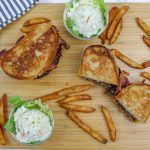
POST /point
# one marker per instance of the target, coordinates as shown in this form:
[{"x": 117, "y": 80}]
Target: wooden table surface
[{"x": 67, "y": 135}]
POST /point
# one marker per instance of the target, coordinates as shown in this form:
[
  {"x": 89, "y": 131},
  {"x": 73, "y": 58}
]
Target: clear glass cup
[
  {"x": 80, "y": 38},
  {"x": 39, "y": 142}
]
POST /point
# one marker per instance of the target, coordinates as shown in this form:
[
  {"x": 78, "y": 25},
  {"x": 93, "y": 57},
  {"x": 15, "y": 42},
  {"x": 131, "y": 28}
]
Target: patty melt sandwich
[
  {"x": 133, "y": 99},
  {"x": 98, "y": 64},
  {"x": 35, "y": 54}
]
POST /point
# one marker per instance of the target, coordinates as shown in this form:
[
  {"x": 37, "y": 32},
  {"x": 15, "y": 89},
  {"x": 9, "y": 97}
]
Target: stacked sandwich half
[{"x": 98, "y": 64}]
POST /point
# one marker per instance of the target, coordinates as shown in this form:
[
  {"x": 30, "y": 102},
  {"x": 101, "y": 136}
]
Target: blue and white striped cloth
[{"x": 10, "y": 10}]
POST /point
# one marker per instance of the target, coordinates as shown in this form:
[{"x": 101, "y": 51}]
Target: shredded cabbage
[
  {"x": 70, "y": 23},
  {"x": 18, "y": 102}
]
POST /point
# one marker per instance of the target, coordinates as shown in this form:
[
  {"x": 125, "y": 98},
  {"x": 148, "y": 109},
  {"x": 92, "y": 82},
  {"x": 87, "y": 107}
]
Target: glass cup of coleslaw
[
  {"x": 85, "y": 19},
  {"x": 30, "y": 122}
]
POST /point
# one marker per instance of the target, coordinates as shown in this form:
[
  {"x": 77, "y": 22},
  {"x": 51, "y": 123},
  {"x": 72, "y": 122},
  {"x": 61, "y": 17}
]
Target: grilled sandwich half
[
  {"x": 134, "y": 100},
  {"x": 98, "y": 64},
  {"x": 34, "y": 55}
]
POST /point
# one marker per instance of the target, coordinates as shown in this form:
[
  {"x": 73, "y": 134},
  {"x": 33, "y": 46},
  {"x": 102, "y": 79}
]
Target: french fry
[
  {"x": 146, "y": 75},
  {"x": 77, "y": 108},
  {"x": 146, "y": 64},
  {"x": 110, "y": 123},
  {"x": 116, "y": 20},
  {"x": 127, "y": 60},
  {"x": 146, "y": 40},
  {"x": 63, "y": 92},
  {"x": 113, "y": 12},
  {"x": 86, "y": 128},
  {"x": 28, "y": 29},
  {"x": 66, "y": 96},
  {"x": 2, "y": 139},
  {"x": 3, "y": 108},
  {"x": 116, "y": 32},
  {"x": 75, "y": 98},
  {"x": 143, "y": 26},
  {"x": 34, "y": 21}
]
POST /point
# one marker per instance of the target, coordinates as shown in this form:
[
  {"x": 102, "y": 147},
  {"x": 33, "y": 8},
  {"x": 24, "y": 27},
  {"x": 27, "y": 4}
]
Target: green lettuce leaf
[
  {"x": 10, "y": 124},
  {"x": 31, "y": 105},
  {"x": 16, "y": 101},
  {"x": 69, "y": 22},
  {"x": 96, "y": 33},
  {"x": 34, "y": 142},
  {"x": 103, "y": 8},
  {"x": 69, "y": 5},
  {"x": 76, "y": 33}
]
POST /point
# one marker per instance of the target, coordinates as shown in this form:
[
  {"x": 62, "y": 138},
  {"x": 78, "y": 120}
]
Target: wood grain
[{"x": 67, "y": 135}]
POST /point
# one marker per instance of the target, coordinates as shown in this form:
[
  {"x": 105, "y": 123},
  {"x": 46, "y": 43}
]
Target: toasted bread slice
[
  {"x": 99, "y": 64},
  {"x": 33, "y": 55},
  {"x": 135, "y": 99}
]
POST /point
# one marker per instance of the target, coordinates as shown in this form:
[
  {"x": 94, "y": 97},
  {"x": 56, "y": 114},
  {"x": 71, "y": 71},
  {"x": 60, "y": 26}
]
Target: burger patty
[{"x": 109, "y": 88}]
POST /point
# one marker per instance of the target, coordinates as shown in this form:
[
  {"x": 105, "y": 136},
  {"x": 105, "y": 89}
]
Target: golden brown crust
[
  {"x": 99, "y": 64},
  {"x": 135, "y": 98},
  {"x": 33, "y": 55}
]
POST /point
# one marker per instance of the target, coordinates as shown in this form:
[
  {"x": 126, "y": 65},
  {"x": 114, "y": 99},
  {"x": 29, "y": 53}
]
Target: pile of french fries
[
  {"x": 71, "y": 109},
  {"x": 115, "y": 24},
  {"x": 146, "y": 29},
  {"x": 132, "y": 63},
  {"x": 3, "y": 115},
  {"x": 29, "y": 25},
  {"x": 113, "y": 30}
]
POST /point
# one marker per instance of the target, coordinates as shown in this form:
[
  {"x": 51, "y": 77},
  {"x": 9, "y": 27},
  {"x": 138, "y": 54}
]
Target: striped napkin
[{"x": 10, "y": 10}]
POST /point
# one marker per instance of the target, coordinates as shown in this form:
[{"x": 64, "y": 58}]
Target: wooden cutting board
[{"x": 67, "y": 135}]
